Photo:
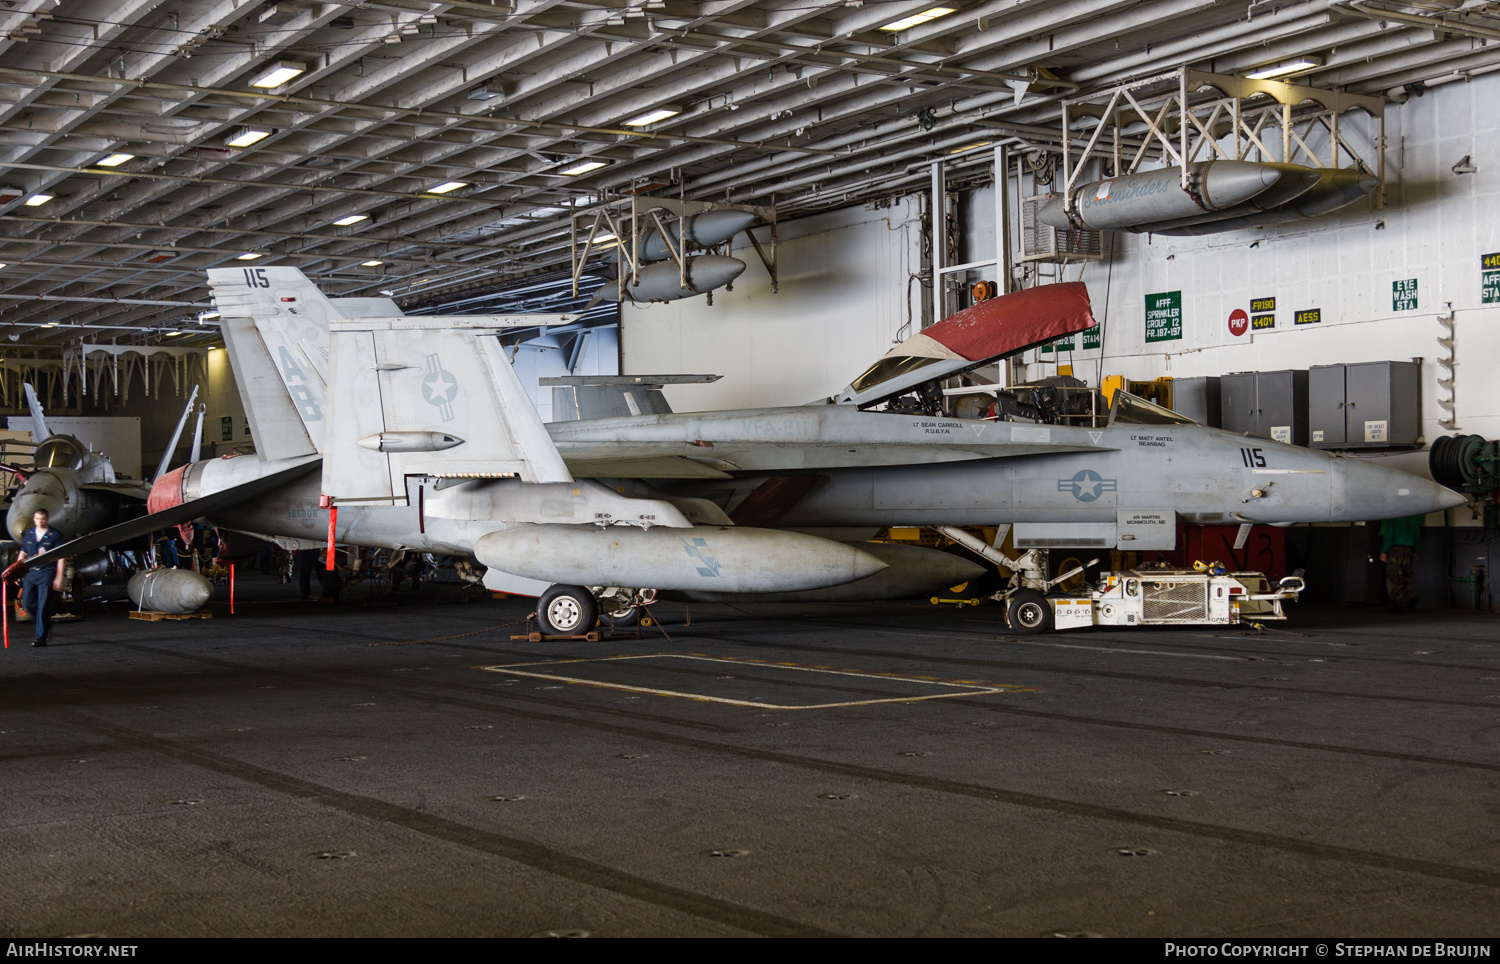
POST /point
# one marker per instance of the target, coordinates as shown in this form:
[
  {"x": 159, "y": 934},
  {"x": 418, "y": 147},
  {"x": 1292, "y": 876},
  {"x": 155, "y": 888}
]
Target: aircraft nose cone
[
  {"x": 1373, "y": 492},
  {"x": 18, "y": 519}
]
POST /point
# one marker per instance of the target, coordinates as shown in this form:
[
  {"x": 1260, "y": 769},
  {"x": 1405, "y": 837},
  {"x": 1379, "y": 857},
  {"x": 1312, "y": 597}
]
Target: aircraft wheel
[
  {"x": 567, "y": 611},
  {"x": 1029, "y": 613},
  {"x": 624, "y": 617}
]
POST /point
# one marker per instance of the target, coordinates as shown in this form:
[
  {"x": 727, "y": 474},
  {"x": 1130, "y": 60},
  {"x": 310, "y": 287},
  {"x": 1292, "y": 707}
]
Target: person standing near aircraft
[
  {"x": 37, "y": 582},
  {"x": 1398, "y": 550}
]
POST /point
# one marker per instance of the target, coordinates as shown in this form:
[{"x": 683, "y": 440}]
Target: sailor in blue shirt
[{"x": 36, "y": 583}]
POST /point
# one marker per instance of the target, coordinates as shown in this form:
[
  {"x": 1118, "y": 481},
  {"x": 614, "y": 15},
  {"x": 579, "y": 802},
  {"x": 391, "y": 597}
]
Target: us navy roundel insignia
[
  {"x": 439, "y": 387},
  {"x": 1086, "y": 485}
]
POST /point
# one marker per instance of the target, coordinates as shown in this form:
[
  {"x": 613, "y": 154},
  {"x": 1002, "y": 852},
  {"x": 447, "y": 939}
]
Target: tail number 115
[
  {"x": 256, "y": 278},
  {"x": 1253, "y": 458}
]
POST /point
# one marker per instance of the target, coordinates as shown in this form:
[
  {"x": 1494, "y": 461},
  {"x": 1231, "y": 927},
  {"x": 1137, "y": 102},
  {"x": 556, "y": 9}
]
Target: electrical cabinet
[
  {"x": 1198, "y": 399},
  {"x": 1367, "y": 405},
  {"x": 1271, "y": 405}
]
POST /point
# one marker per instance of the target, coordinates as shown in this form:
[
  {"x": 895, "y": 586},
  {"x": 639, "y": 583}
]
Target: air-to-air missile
[
  {"x": 662, "y": 281},
  {"x": 703, "y": 231},
  {"x": 169, "y": 590},
  {"x": 516, "y": 493}
]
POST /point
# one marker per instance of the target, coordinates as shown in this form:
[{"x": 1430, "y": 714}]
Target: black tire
[
  {"x": 622, "y": 618},
  {"x": 567, "y": 611},
  {"x": 1029, "y": 613}
]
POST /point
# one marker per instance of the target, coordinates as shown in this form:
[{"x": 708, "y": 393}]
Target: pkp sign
[{"x": 1239, "y": 322}]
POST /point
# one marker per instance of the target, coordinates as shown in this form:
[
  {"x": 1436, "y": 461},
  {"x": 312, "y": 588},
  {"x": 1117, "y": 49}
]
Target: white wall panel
[
  {"x": 843, "y": 303},
  {"x": 1436, "y": 226}
]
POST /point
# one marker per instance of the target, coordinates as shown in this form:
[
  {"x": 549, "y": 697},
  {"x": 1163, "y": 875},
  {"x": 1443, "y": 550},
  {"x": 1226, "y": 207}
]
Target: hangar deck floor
[{"x": 306, "y": 770}]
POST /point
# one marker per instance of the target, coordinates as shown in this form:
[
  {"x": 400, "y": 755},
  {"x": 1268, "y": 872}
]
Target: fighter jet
[
  {"x": 76, "y": 486},
  {"x": 420, "y": 436}
]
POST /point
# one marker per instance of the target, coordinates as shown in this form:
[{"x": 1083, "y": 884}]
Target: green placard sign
[
  {"x": 1404, "y": 295},
  {"x": 1093, "y": 338},
  {"x": 1262, "y": 322},
  {"x": 1262, "y": 304},
  {"x": 1065, "y": 344},
  {"x": 1489, "y": 279},
  {"x": 226, "y": 428},
  {"x": 1164, "y": 316},
  {"x": 1309, "y": 317}
]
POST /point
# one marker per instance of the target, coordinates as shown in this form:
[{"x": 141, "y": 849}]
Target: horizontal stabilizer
[{"x": 176, "y": 515}]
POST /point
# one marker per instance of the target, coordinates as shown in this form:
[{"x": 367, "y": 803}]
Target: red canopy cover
[{"x": 1015, "y": 322}]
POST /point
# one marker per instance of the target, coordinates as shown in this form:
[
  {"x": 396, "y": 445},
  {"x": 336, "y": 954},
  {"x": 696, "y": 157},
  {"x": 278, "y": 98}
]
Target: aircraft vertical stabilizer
[
  {"x": 428, "y": 396},
  {"x": 39, "y": 430},
  {"x": 275, "y": 324}
]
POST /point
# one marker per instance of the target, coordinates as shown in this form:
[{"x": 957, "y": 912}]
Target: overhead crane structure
[{"x": 803, "y": 105}]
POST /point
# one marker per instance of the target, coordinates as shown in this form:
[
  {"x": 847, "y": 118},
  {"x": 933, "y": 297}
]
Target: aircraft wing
[
  {"x": 810, "y": 437},
  {"x": 177, "y": 514},
  {"x": 131, "y": 490}
]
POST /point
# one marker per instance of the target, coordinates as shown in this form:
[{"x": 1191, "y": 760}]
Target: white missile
[
  {"x": 711, "y": 558},
  {"x": 1121, "y": 203},
  {"x": 662, "y": 281},
  {"x": 409, "y": 441},
  {"x": 169, "y": 590},
  {"x": 703, "y": 230}
]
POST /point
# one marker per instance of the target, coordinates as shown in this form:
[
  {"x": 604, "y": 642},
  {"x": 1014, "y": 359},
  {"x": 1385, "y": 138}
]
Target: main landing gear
[{"x": 575, "y": 610}]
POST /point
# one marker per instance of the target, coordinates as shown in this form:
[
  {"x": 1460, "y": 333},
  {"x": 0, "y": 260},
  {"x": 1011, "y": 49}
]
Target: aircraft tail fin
[
  {"x": 431, "y": 396},
  {"x": 275, "y": 323},
  {"x": 39, "y": 430}
]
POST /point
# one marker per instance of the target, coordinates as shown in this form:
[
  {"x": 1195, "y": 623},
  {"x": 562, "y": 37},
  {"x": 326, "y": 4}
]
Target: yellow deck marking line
[{"x": 969, "y": 688}]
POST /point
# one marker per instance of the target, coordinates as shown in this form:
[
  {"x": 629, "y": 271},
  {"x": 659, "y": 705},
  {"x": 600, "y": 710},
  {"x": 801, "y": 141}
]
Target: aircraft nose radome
[
  {"x": 1448, "y": 499},
  {"x": 18, "y": 519}
]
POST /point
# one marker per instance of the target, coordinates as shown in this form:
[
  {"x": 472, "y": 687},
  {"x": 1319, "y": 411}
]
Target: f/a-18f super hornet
[{"x": 416, "y": 433}]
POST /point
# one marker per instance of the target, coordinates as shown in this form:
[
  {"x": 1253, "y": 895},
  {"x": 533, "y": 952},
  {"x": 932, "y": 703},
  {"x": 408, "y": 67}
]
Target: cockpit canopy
[
  {"x": 1134, "y": 410},
  {"x": 61, "y": 452}
]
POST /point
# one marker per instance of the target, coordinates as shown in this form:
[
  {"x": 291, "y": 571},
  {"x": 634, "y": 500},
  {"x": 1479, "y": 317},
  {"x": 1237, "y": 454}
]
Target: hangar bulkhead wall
[{"x": 1367, "y": 284}]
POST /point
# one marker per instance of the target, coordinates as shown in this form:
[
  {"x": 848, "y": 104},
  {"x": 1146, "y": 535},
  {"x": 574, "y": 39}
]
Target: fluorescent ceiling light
[
  {"x": 278, "y": 75},
  {"x": 207, "y": 316},
  {"x": 37, "y": 200},
  {"x": 246, "y": 136},
  {"x": 654, "y": 116},
  {"x": 606, "y": 236},
  {"x": 582, "y": 167},
  {"x": 50, "y": 324},
  {"x": 447, "y": 186},
  {"x": 971, "y": 147},
  {"x": 2, "y": 265},
  {"x": 115, "y": 160},
  {"x": 1293, "y": 66},
  {"x": 247, "y": 256},
  {"x": 351, "y": 219},
  {"x": 171, "y": 333},
  {"x": 906, "y": 23},
  {"x": 371, "y": 264}
]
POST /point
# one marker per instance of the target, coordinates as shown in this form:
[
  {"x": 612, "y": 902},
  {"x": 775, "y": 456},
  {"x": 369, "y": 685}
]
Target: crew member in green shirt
[{"x": 1398, "y": 550}]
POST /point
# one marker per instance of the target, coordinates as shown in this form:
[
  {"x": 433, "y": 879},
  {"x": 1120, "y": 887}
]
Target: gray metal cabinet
[
  {"x": 1271, "y": 405},
  {"x": 1368, "y": 405},
  {"x": 1198, "y": 399}
]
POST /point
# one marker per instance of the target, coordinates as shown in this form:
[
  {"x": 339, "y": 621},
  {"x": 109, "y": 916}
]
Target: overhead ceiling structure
[{"x": 434, "y": 150}]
